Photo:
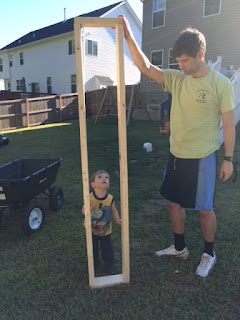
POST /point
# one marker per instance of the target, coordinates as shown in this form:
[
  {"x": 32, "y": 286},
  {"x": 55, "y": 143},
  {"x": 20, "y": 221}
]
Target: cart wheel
[
  {"x": 56, "y": 198},
  {"x": 33, "y": 218}
]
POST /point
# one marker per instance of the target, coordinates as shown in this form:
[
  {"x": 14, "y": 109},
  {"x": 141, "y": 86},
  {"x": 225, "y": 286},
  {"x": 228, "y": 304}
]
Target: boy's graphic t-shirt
[{"x": 101, "y": 214}]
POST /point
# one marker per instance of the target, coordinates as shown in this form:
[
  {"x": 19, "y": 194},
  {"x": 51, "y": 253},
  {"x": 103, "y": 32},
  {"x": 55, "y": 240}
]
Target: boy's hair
[
  {"x": 190, "y": 42},
  {"x": 93, "y": 176}
]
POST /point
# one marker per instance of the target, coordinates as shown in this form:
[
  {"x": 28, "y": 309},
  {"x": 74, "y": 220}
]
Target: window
[
  {"x": 73, "y": 83},
  {"x": 172, "y": 63},
  {"x": 10, "y": 60},
  {"x": 159, "y": 9},
  {"x": 19, "y": 85},
  {"x": 21, "y": 58},
  {"x": 35, "y": 87},
  {"x": 1, "y": 65},
  {"x": 71, "y": 47},
  {"x": 92, "y": 48},
  {"x": 49, "y": 85},
  {"x": 212, "y": 7},
  {"x": 157, "y": 59}
]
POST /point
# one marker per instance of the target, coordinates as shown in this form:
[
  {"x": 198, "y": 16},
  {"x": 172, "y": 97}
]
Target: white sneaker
[
  {"x": 171, "y": 251},
  {"x": 206, "y": 265}
]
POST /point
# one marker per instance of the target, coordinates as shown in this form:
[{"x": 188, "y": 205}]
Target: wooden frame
[{"x": 116, "y": 23}]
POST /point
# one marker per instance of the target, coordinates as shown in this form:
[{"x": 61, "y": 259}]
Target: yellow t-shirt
[
  {"x": 101, "y": 214},
  {"x": 197, "y": 105}
]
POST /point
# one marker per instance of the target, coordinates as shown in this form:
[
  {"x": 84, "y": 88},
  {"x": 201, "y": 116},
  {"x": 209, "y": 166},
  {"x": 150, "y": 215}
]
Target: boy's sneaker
[
  {"x": 206, "y": 265},
  {"x": 171, "y": 251}
]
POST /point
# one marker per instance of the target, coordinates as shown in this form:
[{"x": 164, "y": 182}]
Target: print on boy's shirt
[{"x": 101, "y": 218}]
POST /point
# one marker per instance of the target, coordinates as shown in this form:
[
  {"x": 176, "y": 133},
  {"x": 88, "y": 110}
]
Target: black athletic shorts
[{"x": 190, "y": 182}]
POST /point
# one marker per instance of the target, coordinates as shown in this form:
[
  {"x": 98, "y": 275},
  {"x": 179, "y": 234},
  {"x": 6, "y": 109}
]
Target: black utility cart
[{"x": 21, "y": 181}]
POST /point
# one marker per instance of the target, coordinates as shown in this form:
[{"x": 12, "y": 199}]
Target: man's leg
[
  {"x": 177, "y": 218},
  {"x": 208, "y": 225}
]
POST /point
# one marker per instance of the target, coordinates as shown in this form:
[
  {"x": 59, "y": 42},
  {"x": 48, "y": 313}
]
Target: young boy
[{"x": 102, "y": 206}]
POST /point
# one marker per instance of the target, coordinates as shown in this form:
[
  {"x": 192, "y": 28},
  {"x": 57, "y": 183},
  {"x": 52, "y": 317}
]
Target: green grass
[{"x": 44, "y": 277}]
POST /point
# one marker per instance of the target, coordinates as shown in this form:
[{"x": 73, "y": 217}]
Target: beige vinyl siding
[{"x": 221, "y": 31}]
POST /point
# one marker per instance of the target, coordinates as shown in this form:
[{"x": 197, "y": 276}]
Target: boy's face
[
  {"x": 189, "y": 65},
  {"x": 101, "y": 181}
]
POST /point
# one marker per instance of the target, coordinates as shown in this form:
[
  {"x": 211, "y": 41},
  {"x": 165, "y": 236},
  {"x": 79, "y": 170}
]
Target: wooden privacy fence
[
  {"x": 34, "y": 111},
  {"x": 29, "y": 112},
  {"x": 11, "y": 95}
]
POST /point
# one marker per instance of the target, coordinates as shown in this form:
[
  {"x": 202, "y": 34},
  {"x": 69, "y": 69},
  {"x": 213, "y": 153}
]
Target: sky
[{"x": 19, "y": 17}]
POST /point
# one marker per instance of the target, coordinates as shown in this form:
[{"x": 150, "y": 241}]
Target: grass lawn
[{"x": 44, "y": 277}]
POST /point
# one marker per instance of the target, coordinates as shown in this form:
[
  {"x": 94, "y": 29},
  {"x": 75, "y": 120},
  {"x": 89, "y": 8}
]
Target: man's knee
[
  {"x": 206, "y": 213},
  {"x": 172, "y": 205}
]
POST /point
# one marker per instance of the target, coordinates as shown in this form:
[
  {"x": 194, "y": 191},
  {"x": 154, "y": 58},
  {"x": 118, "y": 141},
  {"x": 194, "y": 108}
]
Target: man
[{"x": 200, "y": 96}]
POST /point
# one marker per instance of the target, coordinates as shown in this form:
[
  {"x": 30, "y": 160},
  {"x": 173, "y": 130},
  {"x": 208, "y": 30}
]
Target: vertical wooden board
[
  {"x": 60, "y": 108},
  {"x": 27, "y": 112},
  {"x": 99, "y": 109},
  {"x": 122, "y": 136},
  {"x": 83, "y": 147}
]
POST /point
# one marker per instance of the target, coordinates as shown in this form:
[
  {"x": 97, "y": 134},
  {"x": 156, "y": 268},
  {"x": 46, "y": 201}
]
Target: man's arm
[
  {"x": 139, "y": 58},
  {"x": 226, "y": 169}
]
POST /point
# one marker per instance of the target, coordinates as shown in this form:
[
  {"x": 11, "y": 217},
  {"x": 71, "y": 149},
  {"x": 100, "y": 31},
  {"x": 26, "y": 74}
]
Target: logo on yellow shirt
[{"x": 202, "y": 96}]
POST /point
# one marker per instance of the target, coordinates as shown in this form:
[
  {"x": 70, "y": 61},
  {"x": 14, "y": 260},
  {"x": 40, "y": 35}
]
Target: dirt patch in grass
[{"x": 152, "y": 205}]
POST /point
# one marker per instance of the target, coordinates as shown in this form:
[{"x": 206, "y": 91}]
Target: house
[
  {"x": 163, "y": 20},
  {"x": 44, "y": 60}
]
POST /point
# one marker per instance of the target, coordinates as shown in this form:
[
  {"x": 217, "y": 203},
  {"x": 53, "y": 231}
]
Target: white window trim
[
  {"x": 21, "y": 59},
  {"x": 19, "y": 85},
  {"x": 72, "y": 44},
  {"x": 92, "y": 54},
  {"x": 169, "y": 59},
  {"x": 73, "y": 83},
  {"x": 215, "y": 14},
  {"x": 49, "y": 85},
  {"x": 160, "y": 65},
  {"x": 164, "y": 15}
]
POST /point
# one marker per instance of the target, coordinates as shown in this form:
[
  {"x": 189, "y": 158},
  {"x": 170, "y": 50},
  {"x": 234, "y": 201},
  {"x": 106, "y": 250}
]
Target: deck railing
[{"x": 235, "y": 79}]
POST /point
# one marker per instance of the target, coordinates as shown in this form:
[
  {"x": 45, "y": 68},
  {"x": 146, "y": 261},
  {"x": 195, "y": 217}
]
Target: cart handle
[{"x": 47, "y": 167}]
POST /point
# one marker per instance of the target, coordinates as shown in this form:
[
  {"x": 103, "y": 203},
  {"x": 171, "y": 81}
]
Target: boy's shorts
[{"x": 190, "y": 182}]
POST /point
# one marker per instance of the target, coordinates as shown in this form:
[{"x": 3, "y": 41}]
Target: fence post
[
  {"x": 60, "y": 108},
  {"x": 99, "y": 110},
  {"x": 27, "y": 111}
]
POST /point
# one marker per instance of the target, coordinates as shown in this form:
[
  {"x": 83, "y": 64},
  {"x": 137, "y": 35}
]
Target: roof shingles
[{"x": 56, "y": 29}]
